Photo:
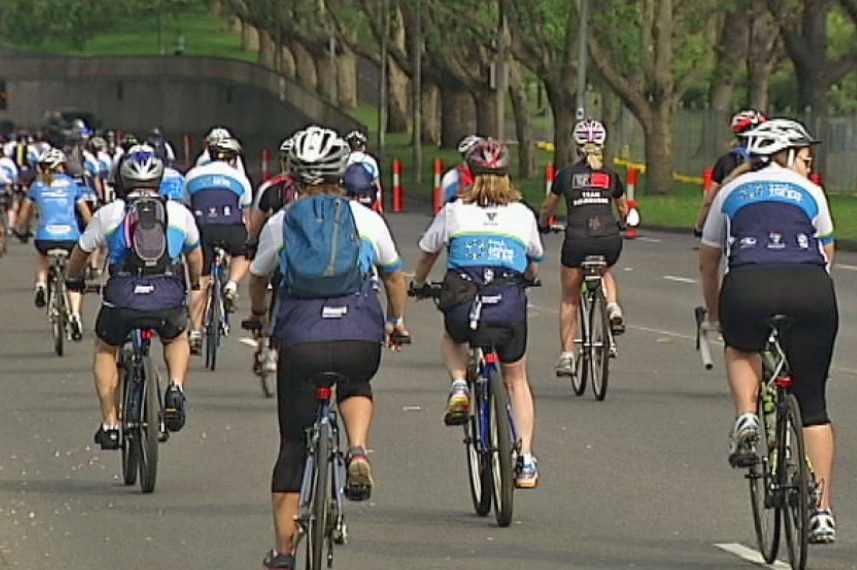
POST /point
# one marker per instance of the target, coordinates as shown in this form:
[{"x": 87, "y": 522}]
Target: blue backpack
[
  {"x": 321, "y": 248},
  {"x": 359, "y": 183}
]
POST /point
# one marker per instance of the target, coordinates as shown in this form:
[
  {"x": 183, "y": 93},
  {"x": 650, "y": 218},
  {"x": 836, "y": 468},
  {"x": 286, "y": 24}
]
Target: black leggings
[
  {"x": 751, "y": 296},
  {"x": 296, "y": 402}
]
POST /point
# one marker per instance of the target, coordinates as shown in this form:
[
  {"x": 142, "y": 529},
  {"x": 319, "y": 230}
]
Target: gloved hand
[{"x": 419, "y": 290}]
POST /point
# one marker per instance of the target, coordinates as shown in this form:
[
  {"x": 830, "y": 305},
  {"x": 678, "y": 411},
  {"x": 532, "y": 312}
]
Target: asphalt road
[{"x": 638, "y": 481}]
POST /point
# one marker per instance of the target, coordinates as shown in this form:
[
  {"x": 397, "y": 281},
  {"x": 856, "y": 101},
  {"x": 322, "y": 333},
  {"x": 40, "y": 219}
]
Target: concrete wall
[{"x": 181, "y": 94}]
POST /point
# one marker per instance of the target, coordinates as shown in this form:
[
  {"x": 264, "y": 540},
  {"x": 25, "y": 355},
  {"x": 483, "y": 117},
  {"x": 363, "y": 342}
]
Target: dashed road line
[{"x": 679, "y": 279}]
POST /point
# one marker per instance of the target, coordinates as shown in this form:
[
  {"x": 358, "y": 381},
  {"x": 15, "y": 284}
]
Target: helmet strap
[{"x": 791, "y": 158}]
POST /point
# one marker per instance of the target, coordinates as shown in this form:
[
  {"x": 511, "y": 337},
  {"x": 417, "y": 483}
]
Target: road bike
[
  {"x": 142, "y": 411},
  {"x": 596, "y": 345},
  {"x": 58, "y": 303},
  {"x": 494, "y": 457},
  {"x": 5, "y": 205},
  {"x": 216, "y": 319}
]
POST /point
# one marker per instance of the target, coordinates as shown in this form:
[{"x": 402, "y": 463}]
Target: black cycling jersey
[
  {"x": 589, "y": 195},
  {"x": 275, "y": 193},
  {"x": 725, "y": 165}
]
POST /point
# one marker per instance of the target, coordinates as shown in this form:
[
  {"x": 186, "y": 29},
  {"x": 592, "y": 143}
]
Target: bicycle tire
[
  {"x": 766, "y": 513},
  {"x": 149, "y": 428},
  {"x": 502, "y": 473},
  {"x": 578, "y": 379},
  {"x": 57, "y": 314},
  {"x": 795, "y": 511},
  {"x": 212, "y": 332},
  {"x": 318, "y": 527},
  {"x": 599, "y": 359},
  {"x": 130, "y": 449},
  {"x": 4, "y": 229},
  {"x": 478, "y": 462},
  {"x": 267, "y": 380}
]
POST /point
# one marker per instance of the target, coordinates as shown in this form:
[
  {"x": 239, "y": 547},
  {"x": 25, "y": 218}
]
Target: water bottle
[{"x": 769, "y": 409}]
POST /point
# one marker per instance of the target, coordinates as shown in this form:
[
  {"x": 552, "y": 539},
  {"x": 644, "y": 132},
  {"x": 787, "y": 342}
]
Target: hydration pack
[
  {"x": 321, "y": 248},
  {"x": 146, "y": 237},
  {"x": 360, "y": 184}
]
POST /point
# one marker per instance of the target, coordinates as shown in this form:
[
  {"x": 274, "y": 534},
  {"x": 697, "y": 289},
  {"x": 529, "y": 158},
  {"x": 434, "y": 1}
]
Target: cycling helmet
[
  {"x": 52, "y": 159},
  {"x": 141, "y": 169},
  {"x": 467, "y": 143},
  {"x": 286, "y": 146},
  {"x": 356, "y": 140},
  {"x": 225, "y": 149},
  {"x": 776, "y": 135},
  {"x": 97, "y": 144},
  {"x": 488, "y": 156},
  {"x": 217, "y": 134},
  {"x": 318, "y": 155},
  {"x": 589, "y": 131},
  {"x": 745, "y": 120}
]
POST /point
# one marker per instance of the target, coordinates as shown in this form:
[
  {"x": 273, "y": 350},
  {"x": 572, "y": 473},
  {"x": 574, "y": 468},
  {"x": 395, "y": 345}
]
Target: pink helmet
[
  {"x": 589, "y": 131},
  {"x": 488, "y": 156},
  {"x": 745, "y": 120}
]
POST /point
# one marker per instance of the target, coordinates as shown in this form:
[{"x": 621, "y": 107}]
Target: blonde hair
[
  {"x": 742, "y": 168},
  {"x": 492, "y": 189},
  {"x": 593, "y": 155},
  {"x": 318, "y": 189}
]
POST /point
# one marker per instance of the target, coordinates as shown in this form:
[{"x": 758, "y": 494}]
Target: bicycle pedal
[{"x": 358, "y": 493}]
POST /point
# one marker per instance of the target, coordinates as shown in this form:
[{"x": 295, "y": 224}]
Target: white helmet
[
  {"x": 773, "y": 136},
  {"x": 589, "y": 131},
  {"x": 286, "y": 146},
  {"x": 144, "y": 148},
  {"x": 467, "y": 143},
  {"x": 52, "y": 159},
  {"x": 225, "y": 148},
  {"x": 217, "y": 134},
  {"x": 318, "y": 155},
  {"x": 142, "y": 169},
  {"x": 356, "y": 140}
]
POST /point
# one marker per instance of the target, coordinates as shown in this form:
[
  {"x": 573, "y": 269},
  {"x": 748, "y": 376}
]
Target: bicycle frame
[
  {"x": 486, "y": 363},
  {"x": 593, "y": 282}
]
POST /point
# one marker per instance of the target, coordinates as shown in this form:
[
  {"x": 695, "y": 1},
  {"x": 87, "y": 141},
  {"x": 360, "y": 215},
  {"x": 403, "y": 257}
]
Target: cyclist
[
  {"x": 163, "y": 147},
  {"x": 348, "y": 343},
  {"x": 140, "y": 298},
  {"x": 741, "y": 123},
  {"x": 458, "y": 179},
  {"x": 59, "y": 198},
  {"x": 367, "y": 196},
  {"x": 220, "y": 196},
  {"x": 490, "y": 237},
  {"x": 774, "y": 228},
  {"x": 173, "y": 182},
  {"x": 590, "y": 189},
  {"x": 215, "y": 135}
]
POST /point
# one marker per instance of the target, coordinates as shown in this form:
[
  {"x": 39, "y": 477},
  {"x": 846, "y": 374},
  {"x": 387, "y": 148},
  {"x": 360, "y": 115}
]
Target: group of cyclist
[{"x": 764, "y": 218}]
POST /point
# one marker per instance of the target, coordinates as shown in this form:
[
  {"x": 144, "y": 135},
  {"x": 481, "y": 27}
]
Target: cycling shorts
[
  {"x": 229, "y": 237},
  {"x": 575, "y": 250}
]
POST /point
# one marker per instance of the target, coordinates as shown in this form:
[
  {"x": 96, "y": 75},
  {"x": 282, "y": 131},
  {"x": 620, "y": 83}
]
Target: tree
[
  {"x": 33, "y": 22},
  {"x": 661, "y": 51}
]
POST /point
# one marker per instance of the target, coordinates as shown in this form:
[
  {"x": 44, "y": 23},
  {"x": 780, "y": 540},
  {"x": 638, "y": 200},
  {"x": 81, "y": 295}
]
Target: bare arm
[
  {"x": 77, "y": 262},
  {"x": 85, "y": 212},
  {"x": 257, "y": 221},
  {"x": 706, "y": 204},
  {"x": 194, "y": 266},
  {"x": 709, "y": 269},
  {"x": 24, "y": 215},
  {"x": 622, "y": 207},
  {"x": 258, "y": 294},
  {"x": 548, "y": 209},
  {"x": 830, "y": 252},
  {"x": 424, "y": 266},
  {"x": 397, "y": 293}
]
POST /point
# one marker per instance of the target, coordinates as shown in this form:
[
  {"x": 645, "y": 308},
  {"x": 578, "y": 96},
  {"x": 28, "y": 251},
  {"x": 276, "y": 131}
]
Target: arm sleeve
[
  {"x": 247, "y": 195},
  {"x": 436, "y": 236},
  {"x": 618, "y": 186},
  {"x": 191, "y": 240},
  {"x": 94, "y": 236},
  {"x": 388, "y": 256},
  {"x": 823, "y": 221},
  {"x": 558, "y": 183},
  {"x": 270, "y": 242},
  {"x": 33, "y": 194},
  {"x": 714, "y": 230},
  {"x": 537, "y": 251}
]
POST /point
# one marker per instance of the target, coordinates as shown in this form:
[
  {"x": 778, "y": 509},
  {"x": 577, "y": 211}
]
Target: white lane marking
[
  {"x": 663, "y": 332},
  {"x": 679, "y": 279},
  {"x": 648, "y": 239},
  {"x": 248, "y": 341},
  {"x": 751, "y": 555},
  {"x": 845, "y": 266}
]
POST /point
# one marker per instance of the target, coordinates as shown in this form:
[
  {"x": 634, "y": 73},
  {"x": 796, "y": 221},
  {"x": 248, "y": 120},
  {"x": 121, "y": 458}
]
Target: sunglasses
[{"x": 807, "y": 161}]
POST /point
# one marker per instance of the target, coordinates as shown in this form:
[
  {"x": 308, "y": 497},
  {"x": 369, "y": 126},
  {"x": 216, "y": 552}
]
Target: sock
[{"x": 460, "y": 384}]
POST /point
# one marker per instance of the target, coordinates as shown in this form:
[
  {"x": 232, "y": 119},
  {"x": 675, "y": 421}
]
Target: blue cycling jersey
[
  {"x": 173, "y": 186},
  {"x": 58, "y": 206}
]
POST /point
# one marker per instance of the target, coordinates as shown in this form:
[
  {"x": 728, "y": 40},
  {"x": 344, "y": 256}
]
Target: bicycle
[
  {"x": 494, "y": 457},
  {"x": 5, "y": 203},
  {"x": 596, "y": 344},
  {"x": 216, "y": 320},
  {"x": 783, "y": 490},
  {"x": 142, "y": 411},
  {"x": 58, "y": 305},
  {"x": 264, "y": 363}
]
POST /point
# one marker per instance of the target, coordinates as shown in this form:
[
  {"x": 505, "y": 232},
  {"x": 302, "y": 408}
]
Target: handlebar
[
  {"x": 431, "y": 289},
  {"x": 395, "y": 338},
  {"x": 702, "y": 341},
  {"x": 248, "y": 325}
]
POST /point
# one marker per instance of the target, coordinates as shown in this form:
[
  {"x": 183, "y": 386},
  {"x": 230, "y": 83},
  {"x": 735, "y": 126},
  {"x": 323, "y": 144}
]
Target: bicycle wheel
[
  {"x": 57, "y": 314},
  {"x": 502, "y": 472},
  {"x": 4, "y": 228},
  {"x": 796, "y": 485},
  {"x": 766, "y": 511},
  {"x": 319, "y": 510},
  {"x": 599, "y": 358},
  {"x": 578, "y": 379},
  {"x": 478, "y": 463},
  {"x": 212, "y": 331},
  {"x": 130, "y": 427},
  {"x": 149, "y": 428}
]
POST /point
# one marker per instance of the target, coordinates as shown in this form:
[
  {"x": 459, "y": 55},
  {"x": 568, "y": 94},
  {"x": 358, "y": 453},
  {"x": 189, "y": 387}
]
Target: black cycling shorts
[
  {"x": 509, "y": 339},
  {"x": 229, "y": 237},
  {"x": 114, "y": 324},
  {"x": 296, "y": 402},
  {"x": 750, "y": 296},
  {"x": 43, "y": 246},
  {"x": 575, "y": 250}
]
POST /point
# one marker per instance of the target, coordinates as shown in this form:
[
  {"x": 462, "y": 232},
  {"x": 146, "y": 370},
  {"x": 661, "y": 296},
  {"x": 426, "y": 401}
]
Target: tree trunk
[
  {"x": 456, "y": 112},
  {"x": 398, "y": 102},
  {"x": 763, "y": 50},
  {"x": 267, "y": 49},
  {"x": 759, "y": 85},
  {"x": 611, "y": 115},
  {"x": 562, "y": 101},
  {"x": 346, "y": 64},
  {"x": 327, "y": 72},
  {"x": 306, "y": 73},
  {"x": 486, "y": 112},
  {"x": 249, "y": 37},
  {"x": 430, "y": 126},
  {"x": 523, "y": 124},
  {"x": 660, "y": 148},
  {"x": 288, "y": 63}
]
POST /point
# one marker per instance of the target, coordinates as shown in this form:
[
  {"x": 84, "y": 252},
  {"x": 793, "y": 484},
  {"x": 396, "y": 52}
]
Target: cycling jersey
[
  {"x": 772, "y": 216},
  {"x": 275, "y": 193},
  {"x": 218, "y": 193},
  {"x": 351, "y": 317},
  {"x": 158, "y": 293},
  {"x": 58, "y": 206},
  {"x": 173, "y": 186},
  {"x": 589, "y": 195},
  {"x": 8, "y": 171},
  {"x": 727, "y": 163},
  {"x": 205, "y": 158},
  {"x": 456, "y": 181},
  {"x": 487, "y": 244}
]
